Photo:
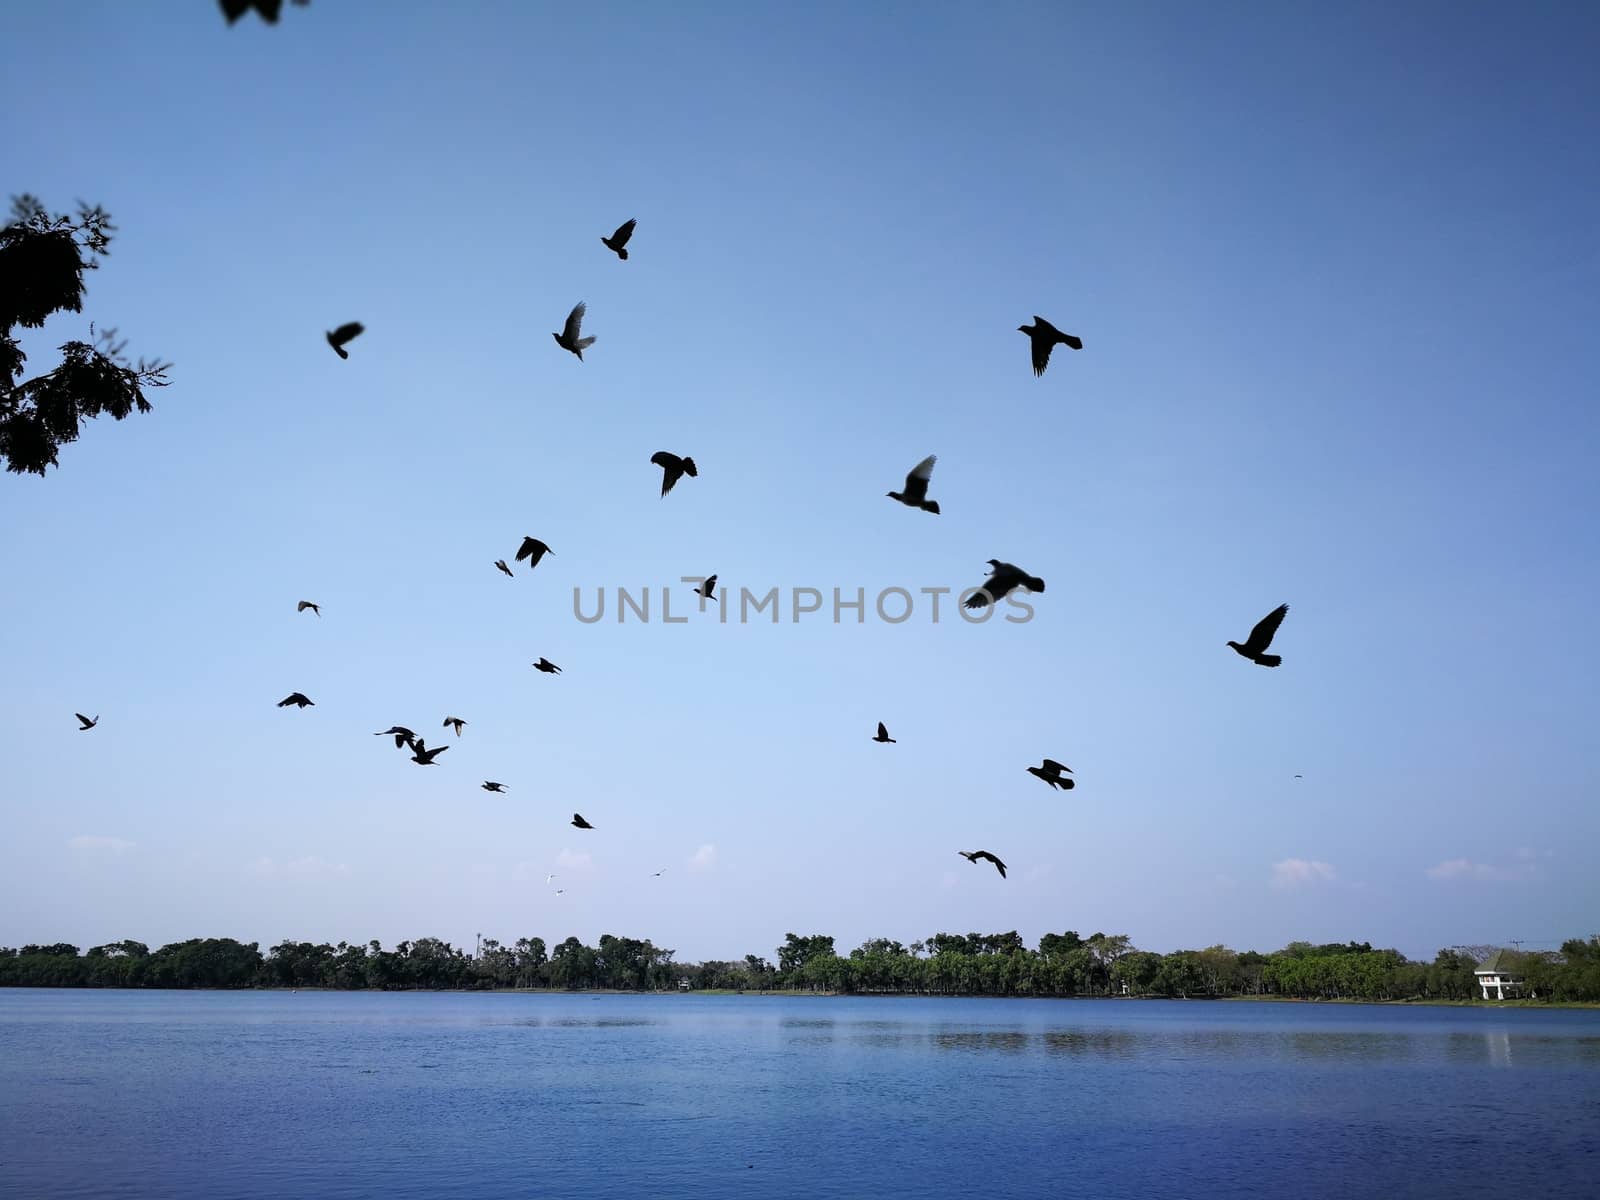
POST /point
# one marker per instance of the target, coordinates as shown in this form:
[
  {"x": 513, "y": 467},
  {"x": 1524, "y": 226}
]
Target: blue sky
[{"x": 1337, "y": 274}]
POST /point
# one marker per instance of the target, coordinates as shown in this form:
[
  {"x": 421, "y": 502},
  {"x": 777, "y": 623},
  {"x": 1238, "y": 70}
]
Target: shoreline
[{"x": 807, "y": 993}]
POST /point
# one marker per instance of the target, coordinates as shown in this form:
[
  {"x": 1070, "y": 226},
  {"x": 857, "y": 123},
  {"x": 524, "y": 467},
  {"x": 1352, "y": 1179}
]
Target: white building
[{"x": 1495, "y": 973}]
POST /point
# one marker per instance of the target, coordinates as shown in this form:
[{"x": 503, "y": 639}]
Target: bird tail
[
  {"x": 1075, "y": 343},
  {"x": 623, "y": 254},
  {"x": 1035, "y": 585},
  {"x": 931, "y": 506},
  {"x": 689, "y": 468},
  {"x": 1269, "y": 660}
]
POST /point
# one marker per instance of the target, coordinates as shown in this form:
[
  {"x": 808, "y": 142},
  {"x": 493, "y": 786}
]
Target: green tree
[{"x": 42, "y": 261}]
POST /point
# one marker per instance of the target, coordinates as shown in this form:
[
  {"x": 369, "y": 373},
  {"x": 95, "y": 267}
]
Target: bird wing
[
  {"x": 624, "y": 232},
  {"x": 1261, "y": 636},
  {"x": 666, "y": 460},
  {"x": 348, "y": 330},
  {"x": 917, "y": 478},
  {"x": 574, "y": 322},
  {"x": 1000, "y": 866},
  {"x": 883, "y": 731},
  {"x": 83, "y": 718},
  {"x": 1051, "y": 764},
  {"x": 1040, "y": 345}
]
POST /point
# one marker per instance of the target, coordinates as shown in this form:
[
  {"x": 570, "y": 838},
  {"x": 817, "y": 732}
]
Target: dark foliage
[
  {"x": 994, "y": 964},
  {"x": 42, "y": 261}
]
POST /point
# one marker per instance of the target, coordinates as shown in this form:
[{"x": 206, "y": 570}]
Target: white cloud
[
  {"x": 1523, "y": 866},
  {"x": 308, "y": 866},
  {"x": 1297, "y": 872},
  {"x": 704, "y": 858},
  {"x": 581, "y": 861},
  {"x": 103, "y": 845}
]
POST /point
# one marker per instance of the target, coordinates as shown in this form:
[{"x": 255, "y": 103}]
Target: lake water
[{"x": 320, "y": 1095}]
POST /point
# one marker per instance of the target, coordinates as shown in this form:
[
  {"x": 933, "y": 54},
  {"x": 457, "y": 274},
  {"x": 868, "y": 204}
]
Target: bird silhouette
[
  {"x": 402, "y": 736},
  {"x": 568, "y": 338},
  {"x": 1050, "y": 772},
  {"x": 1299, "y": 776},
  {"x": 338, "y": 337},
  {"x": 298, "y": 699},
  {"x": 85, "y": 724},
  {"x": 883, "y": 734},
  {"x": 659, "y": 873},
  {"x": 545, "y": 665},
  {"x": 972, "y": 856},
  {"x": 1043, "y": 337},
  {"x": 673, "y": 468},
  {"x": 533, "y": 550},
  {"x": 707, "y": 590},
  {"x": 456, "y": 722},
  {"x": 423, "y": 755},
  {"x": 305, "y": 604},
  {"x": 1260, "y": 638},
  {"x": 618, "y": 241},
  {"x": 548, "y": 878},
  {"x": 267, "y": 9},
  {"x": 1003, "y": 577},
  {"x": 577, "y": 819},
  {"x": 501, "y": 563},
  {"x": 916, "y": 487},
  {"x": 490, "y": 785}
]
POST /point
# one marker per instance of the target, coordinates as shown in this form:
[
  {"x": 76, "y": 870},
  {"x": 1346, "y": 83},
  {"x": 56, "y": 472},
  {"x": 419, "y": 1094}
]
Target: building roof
[{"x": 1498, "y": 963}]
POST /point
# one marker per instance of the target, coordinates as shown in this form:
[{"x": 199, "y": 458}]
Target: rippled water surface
[{"x": 326, "y": 1095}]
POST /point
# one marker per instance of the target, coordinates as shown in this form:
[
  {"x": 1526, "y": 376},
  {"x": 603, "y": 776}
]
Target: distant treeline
[{"x": 946, "y": 964}]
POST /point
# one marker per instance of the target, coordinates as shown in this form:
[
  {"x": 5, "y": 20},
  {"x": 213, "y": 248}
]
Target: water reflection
[
  {"x": 1010, "y": 1043},
  {"x": 1103, "y": 1043},
  {"x": 579, "y": 1022}
]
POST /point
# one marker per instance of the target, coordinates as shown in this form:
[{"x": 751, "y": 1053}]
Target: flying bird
[
  {"x": 1260, "y": 638},
  {"x": 305, "y": 604},
  {"x": 577, "y": 819},
  {"x": 547, "y": 879},
  {"x": 673, "y": 468},
  {"x": 545, "y": 665},
  {"x": 268, "y": 9},
  {"x": 1050, "y": 771},
  {"x": 883, "y": 734},
  {"x": 501, "y": 563},
  {"x": 972, "y": 856},
  {"x": 457, "y": 722},
  {"x": 1043, "y": 337},
  {"x": 1003, "y": 577},
  {"x": 707, "y": 590},
  {"x": 424, "y": 756},
  {"x": 533, "y": 550},
  {"x": 916, "y": 487},
  {"x": 298, "y": 699},
  {"x": 618, "y": 241},
  {"x": 402, "y": 736},
  {"x": 1299, "y": 776},
  {"x": 560, "y": 891},
  {"x": 490, "y": 785},
  {"x": 85, "y": 724},
  {"x": 568, "y": 338},
  {"x": 338, "y": 337},
  {"x": 659, "y": 873}
]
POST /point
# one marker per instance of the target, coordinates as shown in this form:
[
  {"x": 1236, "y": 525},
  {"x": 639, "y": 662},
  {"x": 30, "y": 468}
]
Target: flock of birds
[{"x": 1003, "y": 578}]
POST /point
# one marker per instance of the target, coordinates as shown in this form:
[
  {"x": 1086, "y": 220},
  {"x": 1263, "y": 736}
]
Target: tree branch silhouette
[{"x": 42, "y": 261}]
